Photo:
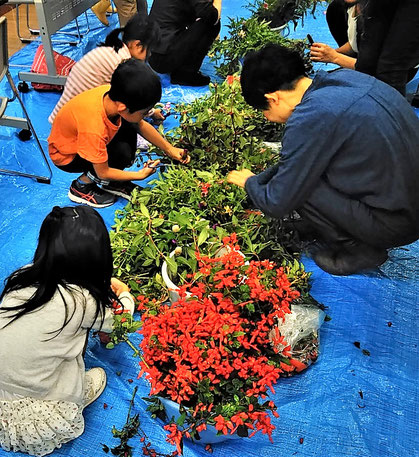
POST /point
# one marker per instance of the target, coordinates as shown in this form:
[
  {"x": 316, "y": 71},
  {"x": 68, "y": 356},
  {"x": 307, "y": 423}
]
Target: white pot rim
[{"x": 165, "y": 275}]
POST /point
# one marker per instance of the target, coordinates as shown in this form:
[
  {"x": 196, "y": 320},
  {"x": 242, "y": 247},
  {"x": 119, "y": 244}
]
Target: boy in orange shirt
[{"x": 84, "y": 127}]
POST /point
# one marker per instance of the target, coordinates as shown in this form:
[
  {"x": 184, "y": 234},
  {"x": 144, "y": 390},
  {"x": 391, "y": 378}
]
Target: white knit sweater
[{"x": 39, "y": 363}]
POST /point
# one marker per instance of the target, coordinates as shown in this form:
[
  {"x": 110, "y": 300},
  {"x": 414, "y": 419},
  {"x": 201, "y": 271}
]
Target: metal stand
[
  {"x": 53, "y": 15},
  {"x": 36, "y": 32},
  {"x": 17, "y": 122}
]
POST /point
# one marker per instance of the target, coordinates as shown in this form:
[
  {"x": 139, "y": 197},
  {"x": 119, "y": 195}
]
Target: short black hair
[
  {"x": 136, "y": 85},
  {"x": 274, "y": 67}
]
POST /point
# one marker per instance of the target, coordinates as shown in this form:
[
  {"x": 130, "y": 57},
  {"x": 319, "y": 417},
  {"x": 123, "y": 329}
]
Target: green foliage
[
  {"x": 280, "y": 12},
  {"x": 221, "y": 131},
  {"x": 123, "y": 325},
  {"x": 187, "y": 209},
  {"x": 193, "y": 206},
  {"x": 248, "y": 35}
]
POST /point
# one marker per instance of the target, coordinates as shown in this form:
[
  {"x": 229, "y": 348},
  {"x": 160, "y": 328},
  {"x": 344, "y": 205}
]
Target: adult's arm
[
  {"x": 320, "y": 52},
  {"x": 207, "y": 10},
  {"x": 308, "y": 146}
]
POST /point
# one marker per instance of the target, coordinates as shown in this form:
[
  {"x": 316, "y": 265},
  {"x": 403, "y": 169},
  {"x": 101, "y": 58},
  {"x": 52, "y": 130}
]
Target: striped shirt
[{"x": 92, "y": 70}]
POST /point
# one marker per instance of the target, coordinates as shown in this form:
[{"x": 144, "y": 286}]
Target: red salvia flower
[{"x": 214, "y": 343}]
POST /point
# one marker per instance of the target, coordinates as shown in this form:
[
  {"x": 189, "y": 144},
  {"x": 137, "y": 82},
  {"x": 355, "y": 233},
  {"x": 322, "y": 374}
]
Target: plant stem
[
  {"x": 131, "y": 403},
  {"x": 136, "y": 351}
]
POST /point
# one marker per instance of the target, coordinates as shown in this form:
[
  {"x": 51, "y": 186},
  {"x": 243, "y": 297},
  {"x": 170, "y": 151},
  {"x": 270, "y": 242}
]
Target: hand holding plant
[{"x": 239, "y": 177}]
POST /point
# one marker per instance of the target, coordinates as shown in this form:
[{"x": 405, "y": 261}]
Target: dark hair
[
  {"x": 73, "y": 250},
  {"x": 272, "y": 68},
  {"x": 136, "y": 85},
  {"x": 139, "y": 27}
]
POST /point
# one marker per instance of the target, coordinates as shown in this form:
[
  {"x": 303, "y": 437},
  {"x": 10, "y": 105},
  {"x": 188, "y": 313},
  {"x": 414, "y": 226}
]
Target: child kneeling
[
  {"x": 47, "y": 310},
  {"x": 81, "y": 134}
]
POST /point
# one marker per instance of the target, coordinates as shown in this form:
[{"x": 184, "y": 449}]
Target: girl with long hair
[{"x": 47, "y": 309}]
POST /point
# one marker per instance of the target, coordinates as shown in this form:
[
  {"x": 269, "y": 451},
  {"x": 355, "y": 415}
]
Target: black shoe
[
  {"x": 350, "y": 258},
  {"x": 190, "y": 79},
  {"x": 90, "y": 194},
  {"x": 121, "y": 188}
]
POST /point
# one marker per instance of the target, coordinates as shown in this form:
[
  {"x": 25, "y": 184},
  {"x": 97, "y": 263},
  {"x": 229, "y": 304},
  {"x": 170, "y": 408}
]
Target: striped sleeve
[{"x": 94, "y": 69}]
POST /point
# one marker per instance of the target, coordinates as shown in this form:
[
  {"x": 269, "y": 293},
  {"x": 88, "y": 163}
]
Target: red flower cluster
[
  {"x": 231, "y": 78},
  {"x": 204, "y": 188},
  {"x": 218, "y": 351}
]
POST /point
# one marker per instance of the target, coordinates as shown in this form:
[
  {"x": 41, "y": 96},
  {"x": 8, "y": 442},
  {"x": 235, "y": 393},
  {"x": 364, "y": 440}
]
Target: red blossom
[{"x": 213, "y": 334}]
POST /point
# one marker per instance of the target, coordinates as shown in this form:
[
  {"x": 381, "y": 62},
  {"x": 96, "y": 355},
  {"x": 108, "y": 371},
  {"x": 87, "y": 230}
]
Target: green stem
[
  {"x": 136, "y": 351},
  {"x": 131, "y": 403}
]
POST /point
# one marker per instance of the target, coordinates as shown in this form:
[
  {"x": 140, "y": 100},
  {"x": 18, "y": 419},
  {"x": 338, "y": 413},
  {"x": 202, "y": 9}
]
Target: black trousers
[
  {"x": 121, "y": 152},
  {"x": 186, "y": 54},
  {"x": 337, "y": 219},
  {"x": 142, "y": 7}
]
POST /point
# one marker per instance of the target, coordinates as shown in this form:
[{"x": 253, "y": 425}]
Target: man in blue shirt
[{"x": 349, "y": 163}]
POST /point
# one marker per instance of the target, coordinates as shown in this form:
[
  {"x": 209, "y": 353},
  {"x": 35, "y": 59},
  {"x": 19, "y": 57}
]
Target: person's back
[
  {"x": 173, "y": 16},
  {"x": 188, "y": 28},
  {"x": 81, "y": 126},
  {"x": 349, "y": 159},
  {"x": 92, "y": 70},
  {"x": 46, "y": 361},
  {"x": 369, "y": 138}
]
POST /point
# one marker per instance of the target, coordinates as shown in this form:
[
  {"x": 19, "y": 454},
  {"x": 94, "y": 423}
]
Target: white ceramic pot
[{"x": 173, "y": 288}]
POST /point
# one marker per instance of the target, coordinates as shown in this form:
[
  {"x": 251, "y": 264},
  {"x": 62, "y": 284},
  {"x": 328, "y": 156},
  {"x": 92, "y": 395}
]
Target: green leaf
[
  {"x": 157, "y": 222},
  {"x": 149, "y": 252},
  {"x": 203, "y": 236},
  {"x": 172, "y": 265},
  {"x": 181, "y": 419},
  {"x": 144, "y": 210}
]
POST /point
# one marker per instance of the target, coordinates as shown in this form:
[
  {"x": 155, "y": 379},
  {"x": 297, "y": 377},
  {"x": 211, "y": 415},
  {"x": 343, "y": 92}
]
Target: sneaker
[
  {"x": 123, "y": 189},
  {"x": 190, "y": 79},
  {"x": 90, "y": 194},
  {"x": 95, "y": 383}
]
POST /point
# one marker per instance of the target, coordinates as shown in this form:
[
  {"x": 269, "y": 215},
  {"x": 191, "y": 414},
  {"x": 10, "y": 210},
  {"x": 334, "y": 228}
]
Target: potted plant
[
  {"x": 218, "y": 352},
  {"x": 248, "y": 35},
  {"x": 280, "y": 12}
]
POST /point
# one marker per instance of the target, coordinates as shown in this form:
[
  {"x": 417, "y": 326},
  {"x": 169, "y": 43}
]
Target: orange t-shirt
[{"x": 82, "y": 128}]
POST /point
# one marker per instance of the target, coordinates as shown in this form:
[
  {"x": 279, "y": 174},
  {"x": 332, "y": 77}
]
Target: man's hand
[
  {"x": 239, "y": 177},
  {"x": 118, "y": 286},
  {"x": 320, "y": 52},
  {"x": 178, "y": 154}
]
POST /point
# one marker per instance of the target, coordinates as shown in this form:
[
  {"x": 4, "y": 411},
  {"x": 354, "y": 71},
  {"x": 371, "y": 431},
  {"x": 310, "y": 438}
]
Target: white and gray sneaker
[{"x": 95, "y": 383}]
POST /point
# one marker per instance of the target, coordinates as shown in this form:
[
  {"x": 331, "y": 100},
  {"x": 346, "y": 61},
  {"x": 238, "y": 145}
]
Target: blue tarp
[{"x": 321, "y": 411}]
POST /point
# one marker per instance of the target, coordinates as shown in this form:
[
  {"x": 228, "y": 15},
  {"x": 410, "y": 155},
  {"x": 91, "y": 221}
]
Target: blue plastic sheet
[{"x": 321, "y": 411}]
